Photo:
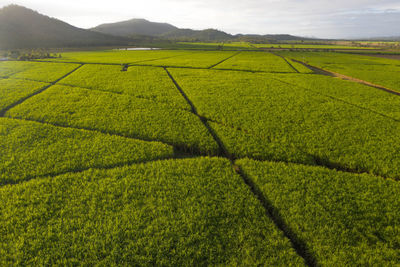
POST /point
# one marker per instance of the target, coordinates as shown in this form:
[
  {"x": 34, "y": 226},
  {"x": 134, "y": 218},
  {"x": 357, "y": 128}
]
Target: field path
[
  {"x": 222, "y": 61},
  {"x": 345, "y": 77},
  {"x": 4, "y": 111},
  {"x": 272, "y": 212},
  {"x": 286, "y": 61}
]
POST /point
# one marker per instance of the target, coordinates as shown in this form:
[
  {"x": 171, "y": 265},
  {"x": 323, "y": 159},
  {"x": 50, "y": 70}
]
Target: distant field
[
  {"x": 311, "y": 46},
  {"x": 250, "y": 46},
  {"x": 380, "y": 71},
  {"x": 197, "y": 158}
]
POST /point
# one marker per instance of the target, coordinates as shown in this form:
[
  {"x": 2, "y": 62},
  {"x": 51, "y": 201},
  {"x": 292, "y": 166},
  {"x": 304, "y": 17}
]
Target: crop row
[{"x": 261, "y": 117}]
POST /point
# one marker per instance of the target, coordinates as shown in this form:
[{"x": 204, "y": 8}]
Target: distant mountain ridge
[
  {"x": 135, "y": 27},
  {"x": 21, "y": 27}
]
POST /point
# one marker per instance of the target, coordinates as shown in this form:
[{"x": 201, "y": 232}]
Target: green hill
[
  {"x": 21, "y": 27},
  {"x": 208, "y": 35},
  {"x": 135, "y": 27}
]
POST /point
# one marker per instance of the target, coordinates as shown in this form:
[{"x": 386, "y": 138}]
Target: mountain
[
  {"x": 208, "y": 35},
  {"x": 135, "y": 27},
  {"x": 21, "y": 27}
]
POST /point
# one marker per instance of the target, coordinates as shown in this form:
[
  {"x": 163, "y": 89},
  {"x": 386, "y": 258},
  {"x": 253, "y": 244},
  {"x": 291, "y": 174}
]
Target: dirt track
[
  {"x": 384, "y": 56},
  {"x": 345, "y": 77}
]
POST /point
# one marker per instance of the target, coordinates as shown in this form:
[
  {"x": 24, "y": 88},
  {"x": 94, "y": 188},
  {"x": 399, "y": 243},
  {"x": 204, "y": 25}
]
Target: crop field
[
  {"x": 197, "y": 158},
  {"x": 312, "y": 46},
  {"x": 380, "y": 71},
  {"x": 256, "y": 61}
]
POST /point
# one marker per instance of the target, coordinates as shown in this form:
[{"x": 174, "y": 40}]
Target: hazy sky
[{"x": 318, "y": 18}]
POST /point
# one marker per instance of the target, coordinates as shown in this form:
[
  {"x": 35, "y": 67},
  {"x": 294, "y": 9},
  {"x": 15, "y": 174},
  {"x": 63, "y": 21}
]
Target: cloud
[{"x": 323, "y": 18}]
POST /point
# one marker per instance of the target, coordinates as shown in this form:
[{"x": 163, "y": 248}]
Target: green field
[
  {"x": 197, "y": 158},
  {"x": 380, "y": 71}
]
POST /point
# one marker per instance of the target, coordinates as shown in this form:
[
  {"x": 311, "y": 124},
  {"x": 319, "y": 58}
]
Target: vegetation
[
  {"x": 29, "y": 55},
  {"x": 143, "y": 82},
  {"x": 137, "y": 118},
  {"x": 345, "y": 219},
  {"x": 105, "y": 159},
  {"x": 198, "y": 59},
  {"x": 25, "y": 28},
  {"x": 31, "y": 149},
  {"x": 380, "y": 71},
  {"x": 363, "y": 96},
  {"x": 36, "y": 71},
  {"x": 12, "y": 90},
  {"x": 118, "y": 57},
  {"x": 256, "y": 61},
  {"x": 294, "y": 123},
  {"x": 135, "y": 27},
  {"x": 176, "y": 212}
]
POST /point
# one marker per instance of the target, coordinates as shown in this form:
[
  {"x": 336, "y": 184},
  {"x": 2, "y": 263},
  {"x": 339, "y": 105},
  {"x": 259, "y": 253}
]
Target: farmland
[{"x": 184, "y": 157}]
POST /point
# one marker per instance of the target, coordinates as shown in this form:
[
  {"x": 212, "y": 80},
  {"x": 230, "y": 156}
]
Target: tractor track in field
[
  {"x": 79, "y": 170},
  {"x": 322, "y": 71},
  {"x": 179, "y": 149},
  {"x": 123, "y": 65},
  {"x": 319, "y": 161},
  {"x": 4, "y": 111},
  {"x": 185, "y": 152},
  {"x": 299, "y": 245},
  {"x": 273, "y": 213},
  {"x": 125, "y": 94},
  {"x": 290, "y": 64},
  {"x": 339, "y": 100},
  {"x": 222, "y": 61},
  {"x": 222, "y": 150}
]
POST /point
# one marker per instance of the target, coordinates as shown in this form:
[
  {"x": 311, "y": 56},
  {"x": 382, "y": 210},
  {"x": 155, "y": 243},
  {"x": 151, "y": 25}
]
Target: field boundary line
[
  {"x": 222, "y": 149},
  {"x": 338, "y": 99},
  {"x": 79, "y": 170},
  {"x": 222, "y": 61},
  {"x": 273, "y": 213},
  {"x": 78, "y": 62},
  {"x": 297, "y": 244},
  {"x": 4, "y": 111},
  {"x": 177, "y": 148},
  {"x": 123, "y": 94},
  {"x": 170, "y": 66},
  {"x": 26, "y": 79},
  {"x": 318, "y": 161},
  {"x": 286, "y": 61},
  {"x": 349, "y": 78},
  {"x": 147, "y": 60}
]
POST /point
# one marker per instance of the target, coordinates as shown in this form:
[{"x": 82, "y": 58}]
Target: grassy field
[
  {"x": 195, "y": 158},
  {"x": 380, "y": 71}
]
